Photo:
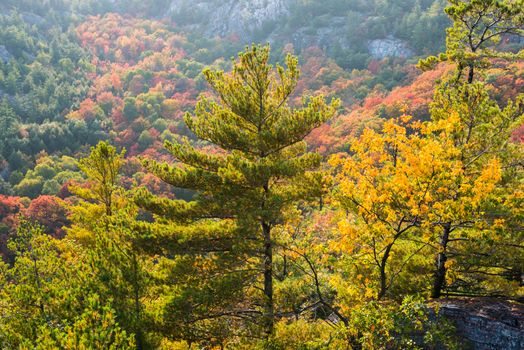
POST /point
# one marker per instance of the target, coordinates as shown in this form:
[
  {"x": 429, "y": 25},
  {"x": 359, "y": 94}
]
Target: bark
[
  {"x": 440, "y": 262},
  {"x": 268, "y": 280},
  {"x": 471, "y": 74},
  {"x": 383, "y": 276},
  {"x": 136, "y": 287}
]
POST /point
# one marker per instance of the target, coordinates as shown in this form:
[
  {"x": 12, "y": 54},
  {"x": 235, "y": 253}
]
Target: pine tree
[
  {"x": 478, "y": 26},
  {"x": 259, "y": 168},
  {"x": 101, "y": 223},
  {"x": 9, "y": 128},
  {"x": 44, "y": 300},
  {"x": 484, "y": 127},
  {"x": 102, "y": 169}
]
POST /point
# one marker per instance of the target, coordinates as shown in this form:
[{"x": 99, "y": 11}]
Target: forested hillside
[
  {"x": 69, "y": 80},
  {"x": 257, "y": 174},
  {"x": 349, "y": 31}
]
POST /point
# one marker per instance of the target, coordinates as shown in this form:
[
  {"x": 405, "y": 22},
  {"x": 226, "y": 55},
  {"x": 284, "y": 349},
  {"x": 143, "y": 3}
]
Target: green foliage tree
[
  {"x": 44, "y": 302},
  {"x": 101, "y": 223},
  {"x": 259, "y": 169},
  {"x": 130, "y": 111},
  {"x": 9, "y": 124},
  {"x": 485, "y": 127},
  {"x": 478, "y": 26},
  {"x": 102, "y": 168},
  {"x": 95, "y": 328}
]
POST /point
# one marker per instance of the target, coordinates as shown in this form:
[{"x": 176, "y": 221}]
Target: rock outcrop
[
  {"x": 242, "y": 18},
  {"x": 389, "y": 47},
  {"x": 323, "y": 36},
  {"x": 267, "y": 21},
  {"x": 486, "y": 324}
]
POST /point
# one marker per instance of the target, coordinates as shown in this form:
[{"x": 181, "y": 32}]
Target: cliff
[
  {"x": 275, "y": 21},
  {"x": 486, "y": 324}
]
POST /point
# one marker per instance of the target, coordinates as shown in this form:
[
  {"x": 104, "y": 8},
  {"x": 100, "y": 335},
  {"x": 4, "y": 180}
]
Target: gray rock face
[
  {"x": 486, "y": 324},
  {"x": 325, "y": 37},
  {"x": 233, "y": 16},
  {"x": 389, "y": 47},
  {"x": 5, "y": 56},
  {"x": 248, "y": 18}
]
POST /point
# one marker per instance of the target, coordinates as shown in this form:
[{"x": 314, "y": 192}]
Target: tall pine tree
[{"x": 260, "y": 167}]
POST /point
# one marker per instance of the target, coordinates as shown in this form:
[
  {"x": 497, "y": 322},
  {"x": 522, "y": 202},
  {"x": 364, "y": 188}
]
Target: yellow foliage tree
[{"x": 396, "y": 186}]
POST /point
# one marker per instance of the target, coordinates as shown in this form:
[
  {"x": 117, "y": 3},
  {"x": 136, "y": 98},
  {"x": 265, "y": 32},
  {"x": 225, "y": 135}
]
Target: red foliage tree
[
  {"x": 50, "y": 213},
  {"x": 10, "y": 209}
]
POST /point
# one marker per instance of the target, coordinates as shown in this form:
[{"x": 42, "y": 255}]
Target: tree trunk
[
  {"x": 383, "y": 276},
  {"x": 471, "y": 74},
  {"x": 383, "y": 284},
  {"x": 136, "y": 287},
  {"x": 268, "y": 280},
  {"x": 440, "y": 262}
]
